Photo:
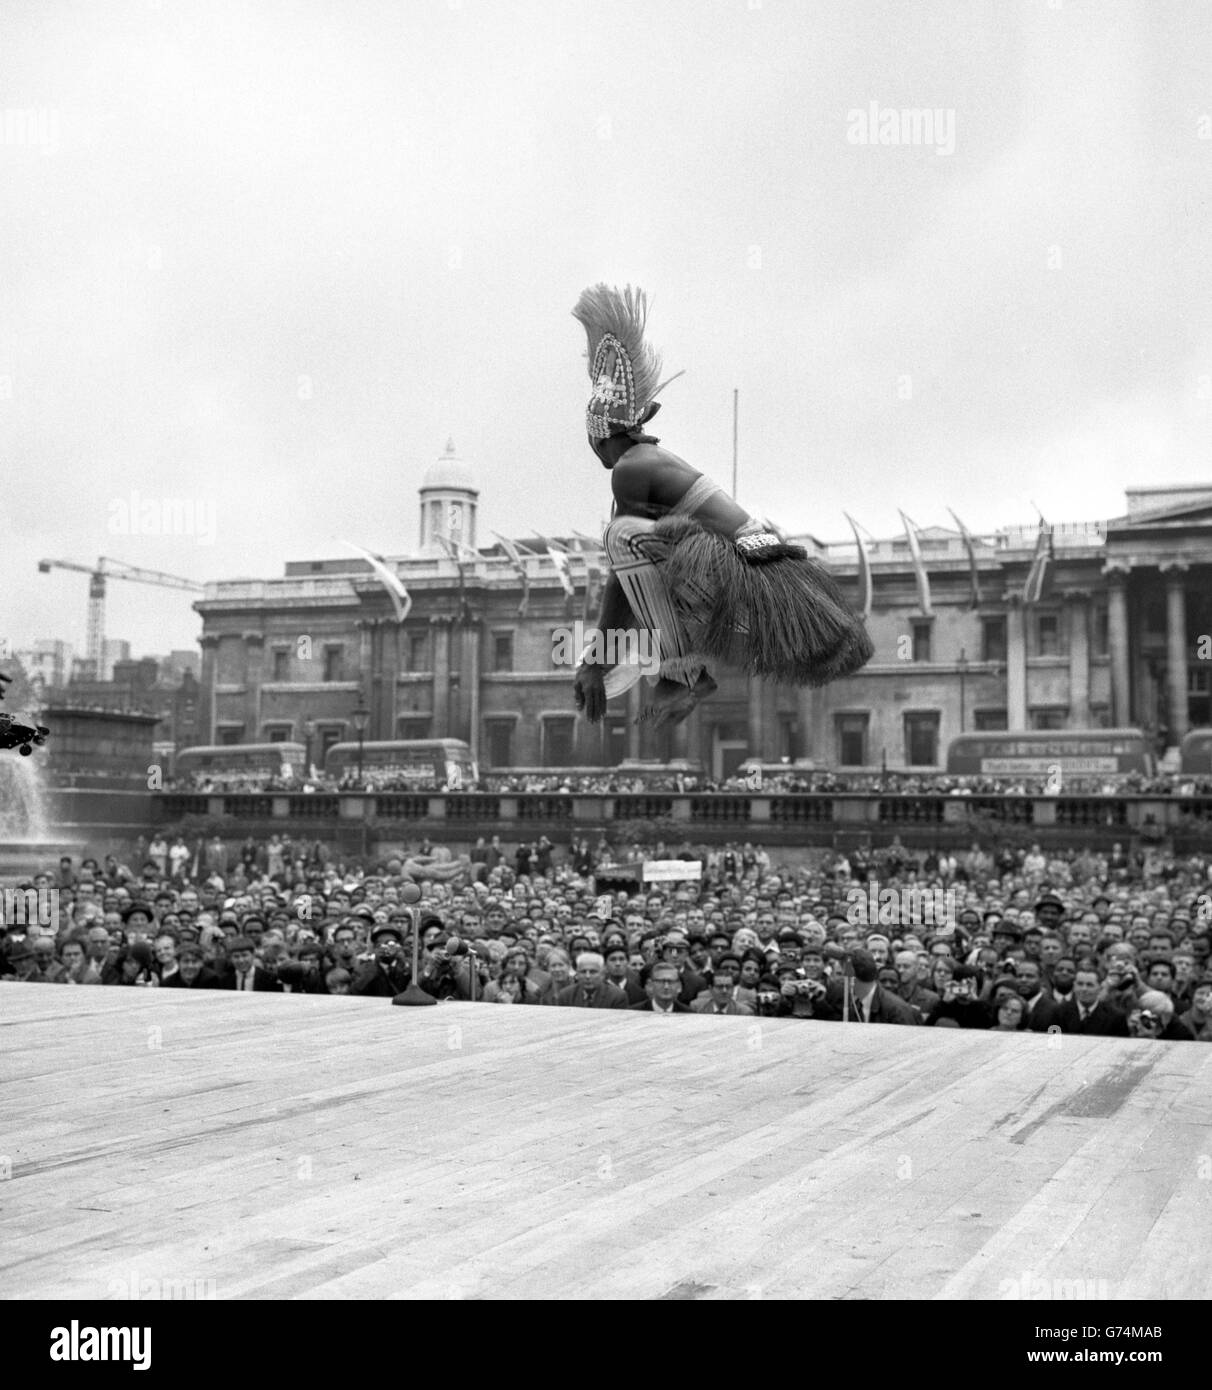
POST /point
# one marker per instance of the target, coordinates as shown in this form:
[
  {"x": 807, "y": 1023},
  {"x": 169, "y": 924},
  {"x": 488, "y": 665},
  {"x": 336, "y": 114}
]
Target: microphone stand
[
  {"x": 847, "y": 988},
  {"x": 412, "y": 993}
]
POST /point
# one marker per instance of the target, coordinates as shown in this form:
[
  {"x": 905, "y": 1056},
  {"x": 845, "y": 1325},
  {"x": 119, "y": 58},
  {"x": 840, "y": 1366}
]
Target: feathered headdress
[{"x": 624, "y": 369}]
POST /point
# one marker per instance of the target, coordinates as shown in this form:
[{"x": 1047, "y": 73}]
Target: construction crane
[{"x": 110, "y": 569}]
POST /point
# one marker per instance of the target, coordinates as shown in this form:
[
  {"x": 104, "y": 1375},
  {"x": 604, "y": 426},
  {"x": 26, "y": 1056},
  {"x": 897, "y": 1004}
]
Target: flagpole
[{"x": 735, "y": 414}]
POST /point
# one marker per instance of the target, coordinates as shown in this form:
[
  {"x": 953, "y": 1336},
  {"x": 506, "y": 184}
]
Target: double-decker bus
[
  {"x": 242, "y": 762},
  {"x": 1051, "y": 752},
  {"x": 426, "y": 761},
  {"x": 1195, "y": 752}
]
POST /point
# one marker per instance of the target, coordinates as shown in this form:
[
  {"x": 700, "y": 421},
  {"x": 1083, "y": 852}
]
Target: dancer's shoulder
[{"x": 648, "y": 475}]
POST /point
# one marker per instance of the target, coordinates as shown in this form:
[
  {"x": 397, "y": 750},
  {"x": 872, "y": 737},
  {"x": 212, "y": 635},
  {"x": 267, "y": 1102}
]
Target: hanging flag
[
  {"x": 1033, "y": 588},
  {"x": 864, "y": 564},
  {"x": 589, "y": 553},
  {"x": 401, "y": 600},
  {"x": 970, "y": 547},
  {"x": 515, "y": 555},
  {"x": 559, "y": 558},
  {"x": 919, "y": 566}
]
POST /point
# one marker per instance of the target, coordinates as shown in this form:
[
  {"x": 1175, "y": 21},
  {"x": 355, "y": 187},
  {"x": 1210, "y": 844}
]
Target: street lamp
[
  {"x": 962, "y": 667},
  {"x": 360, "y": 716}
]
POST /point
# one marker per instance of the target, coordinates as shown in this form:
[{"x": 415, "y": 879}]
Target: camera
[{"x": 1149, "y": 1019}]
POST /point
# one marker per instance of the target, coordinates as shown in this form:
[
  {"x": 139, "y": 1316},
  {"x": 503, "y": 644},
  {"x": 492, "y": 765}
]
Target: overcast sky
[{"x": 269, "y": 256}]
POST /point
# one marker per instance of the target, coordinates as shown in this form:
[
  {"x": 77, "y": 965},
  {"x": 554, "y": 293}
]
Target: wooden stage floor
[{"x": 301, "y": 1147}]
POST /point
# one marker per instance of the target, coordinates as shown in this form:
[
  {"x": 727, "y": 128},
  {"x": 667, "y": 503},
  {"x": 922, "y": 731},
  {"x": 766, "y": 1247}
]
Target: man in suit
[
  {"x": 870, "y": 1002},
  {"x": 386, "y": 975},
  {"x": 1041, "y": 1007},
  {"x": 720, "y": 1000},
  {"x": 1089, "y": 1011},
  {"x": 676, "y": 948},
  {"x": 620, "y": 974},
  {"x": 664, "y": 985},
  {"x": 592, "y": 990},
  {"x": 243, "y": 972}
]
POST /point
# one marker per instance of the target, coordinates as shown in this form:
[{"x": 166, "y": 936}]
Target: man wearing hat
[
  {"x": 243, "y": 972},
  {"x": 387, "y": 974}
]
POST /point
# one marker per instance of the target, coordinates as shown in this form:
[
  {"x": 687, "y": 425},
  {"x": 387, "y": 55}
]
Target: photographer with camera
[
  {"x": 388, "y": 973},
  {"x": 455, "y": 970},
  {"x": 1154, "y": 1018},
  {"x": 799, "y": 994},
  {"x": 960, "y": 1005}
]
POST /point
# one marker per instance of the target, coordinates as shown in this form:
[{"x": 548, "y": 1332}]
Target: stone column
[
  {"x": 209, "y": 643},
  {"x": 1175, "y": 574},
  {"x": 1078, "y": 605},
  {"x": 1117, "y": 640},
  {"x": 756, "y": 720},
  {"x": 633, "y": 728},
  {"x": 254, "y": 645},
  {"x": 472, "y": 647},
  {"x": 1016, "y": 665},
  {"x": 439, "y": 632},
  {"x": 679, "y": 740},
  {"x": 805, "y": 718}
]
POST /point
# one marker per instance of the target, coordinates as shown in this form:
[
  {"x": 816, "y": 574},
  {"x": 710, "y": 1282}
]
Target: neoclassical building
[{"x": 1112, "y": 638}]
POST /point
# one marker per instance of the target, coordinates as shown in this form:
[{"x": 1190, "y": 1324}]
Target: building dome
[
  {"x": 450, "y": 474},
  {"x": 449, "y": 500}
]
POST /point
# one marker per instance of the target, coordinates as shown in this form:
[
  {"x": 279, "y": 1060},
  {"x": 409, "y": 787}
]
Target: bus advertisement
[
  {"x": 1051, "y": 752},
  {"x": 427, "y": 762}
]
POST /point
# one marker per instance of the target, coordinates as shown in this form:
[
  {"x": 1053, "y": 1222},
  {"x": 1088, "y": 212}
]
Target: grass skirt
[{"x": 785, "y": 619}]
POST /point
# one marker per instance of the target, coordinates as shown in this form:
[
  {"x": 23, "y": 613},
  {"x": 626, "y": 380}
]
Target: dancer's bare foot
[{"x": 672, "y": 701}]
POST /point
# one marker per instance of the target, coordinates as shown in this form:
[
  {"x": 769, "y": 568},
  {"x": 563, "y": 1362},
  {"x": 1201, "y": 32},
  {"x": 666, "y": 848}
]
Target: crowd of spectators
[
  {"x": 1024, "y": 940},
  {"x": 768, "y": 780}
]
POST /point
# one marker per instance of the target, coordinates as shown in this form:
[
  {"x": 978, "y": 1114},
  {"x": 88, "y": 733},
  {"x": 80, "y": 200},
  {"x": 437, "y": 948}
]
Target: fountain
[{"x": 27, "y": 844}]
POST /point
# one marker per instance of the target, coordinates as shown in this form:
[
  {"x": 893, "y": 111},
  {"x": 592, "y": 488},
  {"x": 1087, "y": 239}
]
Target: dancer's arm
[
  {"x": 648, "y": 481},
  {"x": 589, "y": 691}
]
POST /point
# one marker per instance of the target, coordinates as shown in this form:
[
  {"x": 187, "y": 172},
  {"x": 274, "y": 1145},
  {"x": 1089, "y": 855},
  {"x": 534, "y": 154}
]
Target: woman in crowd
[{"x": 1011, "y": 1015}]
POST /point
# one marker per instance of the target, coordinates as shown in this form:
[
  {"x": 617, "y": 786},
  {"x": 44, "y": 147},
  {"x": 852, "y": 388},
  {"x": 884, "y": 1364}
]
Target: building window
[
  {"x": 500, "y": 742},
  {"x": 1047, "y": 635},
  {"x": 413, "y": 726},
  {"x": 418, "y": 651},
  {"x": 558, "y": 741},
  {"x": 281, "y": 664},
  {"x": 278, "y": 733},
  {"x": 993, "y": 638},
  {"x": 1049, "y": 717},
  {"x": 1100, "y": 716},
  {"x": 921, "y": 640},
  {"x": 333, "y": 663},
  {"x": 230, "y": 736},
  {"x": 852, "y": 739},
  {"x": 921, "y": 739},
  {"x": 989, "y": 719},
  {"x": 502, "y": 651},
  {"x": 328, "y": 737}
]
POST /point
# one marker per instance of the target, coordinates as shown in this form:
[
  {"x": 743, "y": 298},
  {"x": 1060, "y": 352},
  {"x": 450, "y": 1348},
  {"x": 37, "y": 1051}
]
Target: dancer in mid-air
[{"x": 706, "y": 581}]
